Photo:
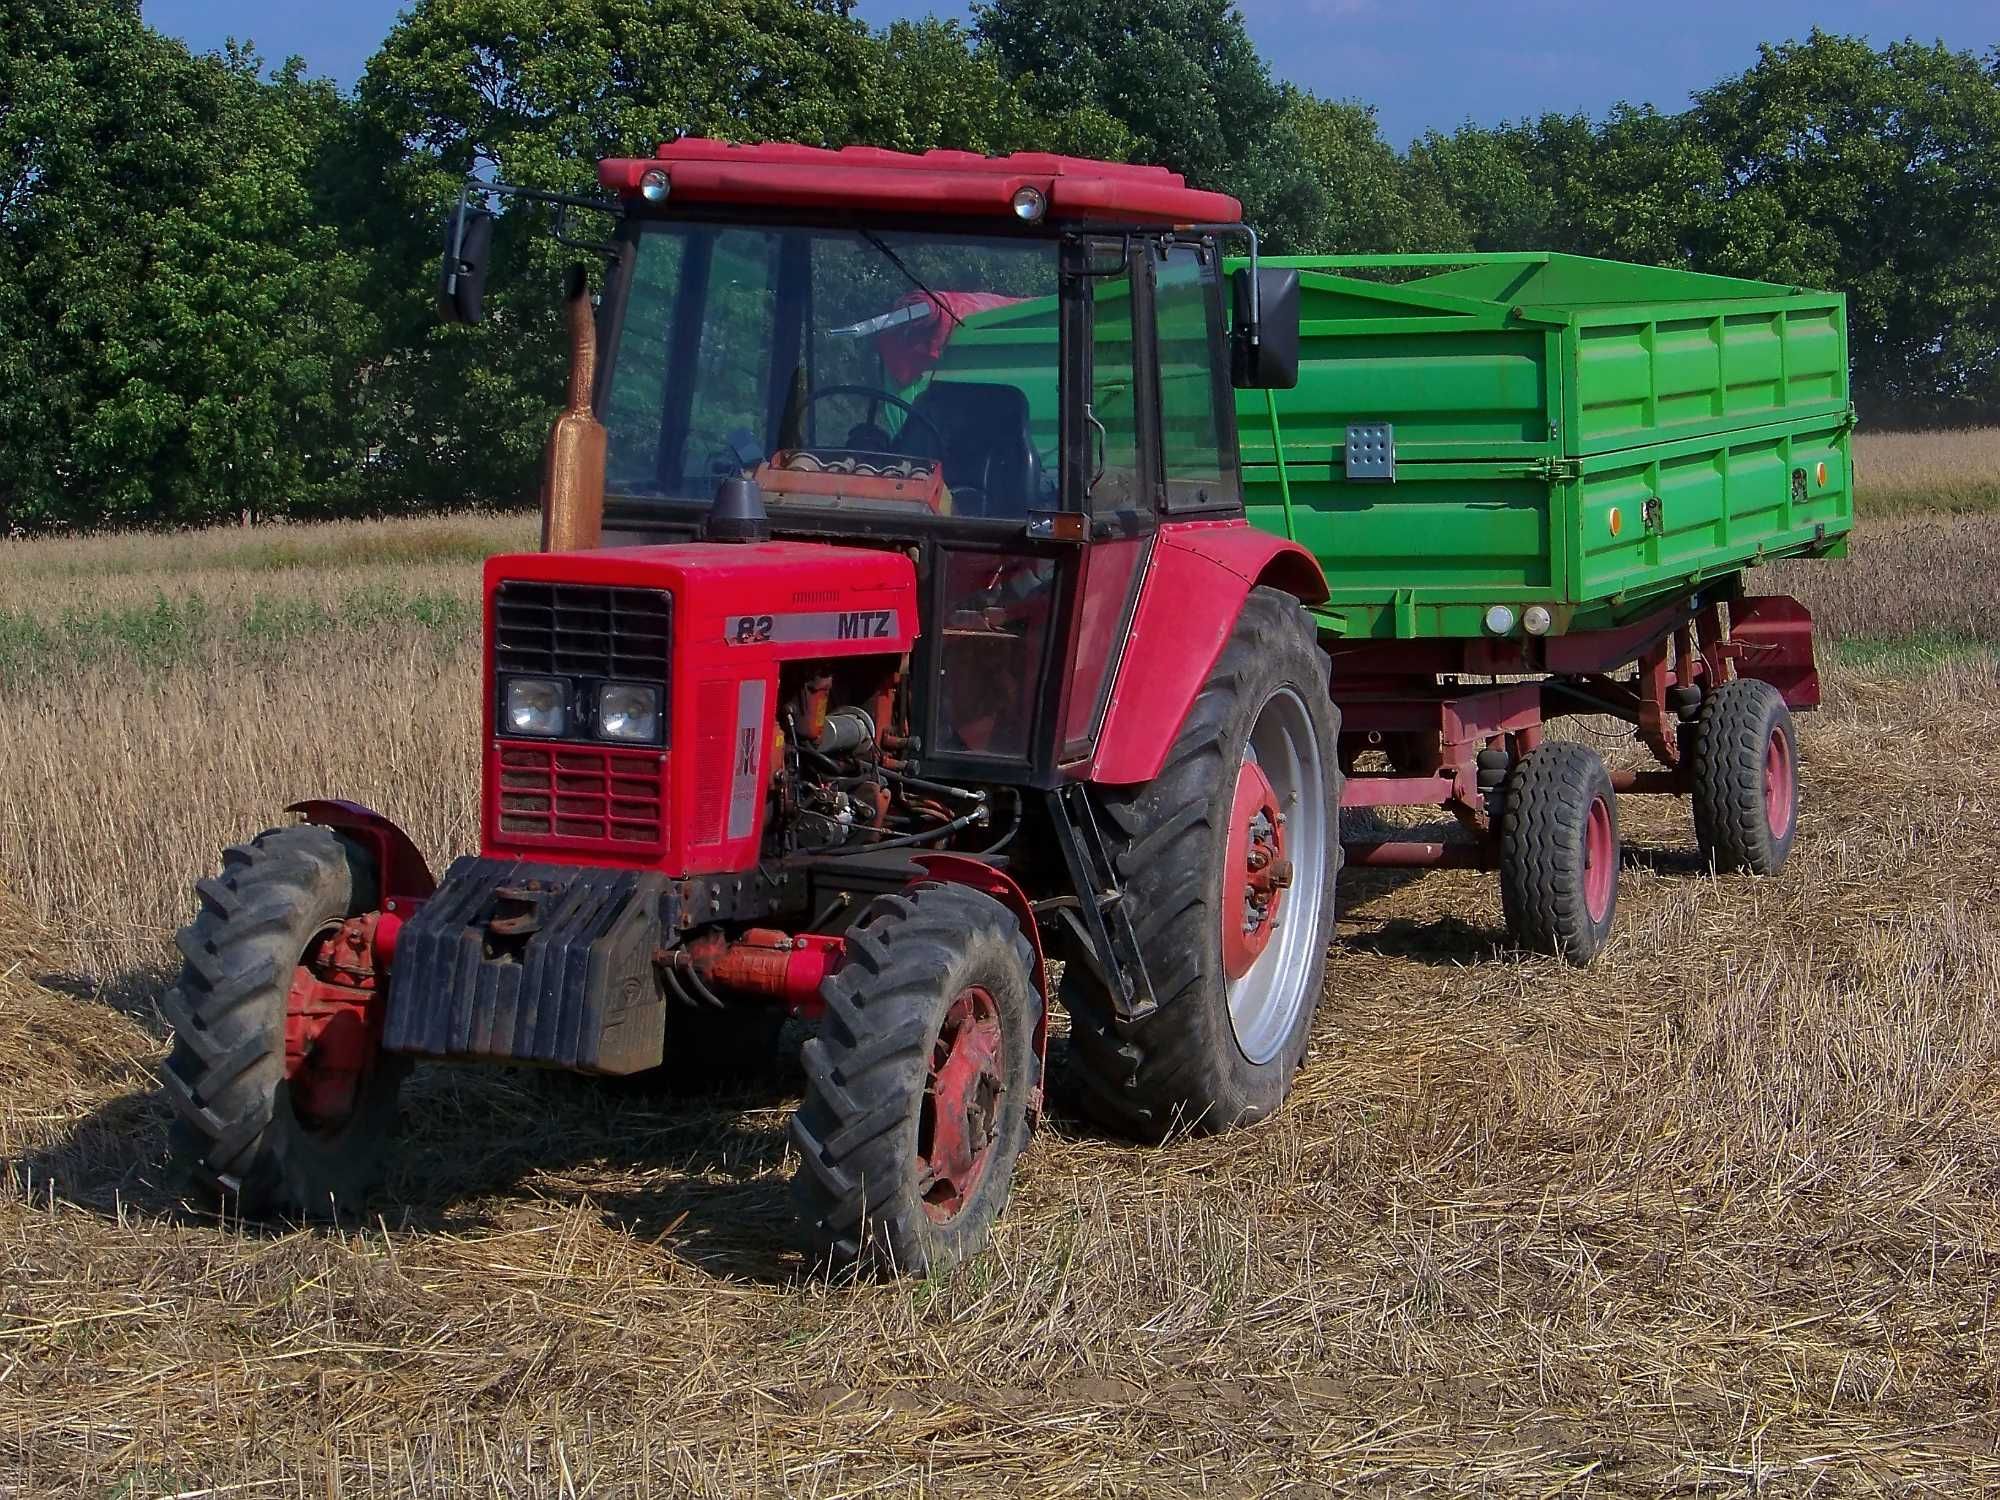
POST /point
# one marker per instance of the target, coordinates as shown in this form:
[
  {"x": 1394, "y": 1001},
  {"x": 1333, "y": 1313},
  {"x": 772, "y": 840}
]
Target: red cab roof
[{"x": 943, "y": 182}]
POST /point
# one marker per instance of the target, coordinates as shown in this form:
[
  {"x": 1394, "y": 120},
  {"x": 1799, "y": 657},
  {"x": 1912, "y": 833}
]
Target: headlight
[
  {"x": 537, "y": 706},
  {"x": 628, "y": 711}
]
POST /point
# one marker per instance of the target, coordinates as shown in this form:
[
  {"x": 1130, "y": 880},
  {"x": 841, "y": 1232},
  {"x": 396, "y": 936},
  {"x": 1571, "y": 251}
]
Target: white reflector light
[{"x": 1499, "y": 619}]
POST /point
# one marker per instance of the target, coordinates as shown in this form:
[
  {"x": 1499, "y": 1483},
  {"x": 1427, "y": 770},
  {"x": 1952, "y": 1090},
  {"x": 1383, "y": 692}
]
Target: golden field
[{"x": 1716, "y": 1217}]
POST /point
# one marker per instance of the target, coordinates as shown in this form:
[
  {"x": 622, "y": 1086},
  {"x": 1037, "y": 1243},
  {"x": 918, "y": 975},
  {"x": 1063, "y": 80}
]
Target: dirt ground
[{"x": 1716, "y": 1217}]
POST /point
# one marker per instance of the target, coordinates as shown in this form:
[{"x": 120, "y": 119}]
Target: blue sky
[{"x": 1424, "y": 64}]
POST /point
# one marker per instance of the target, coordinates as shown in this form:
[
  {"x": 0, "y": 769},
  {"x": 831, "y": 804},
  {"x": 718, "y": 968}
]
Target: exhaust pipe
[{"x": 573, "y": 465}]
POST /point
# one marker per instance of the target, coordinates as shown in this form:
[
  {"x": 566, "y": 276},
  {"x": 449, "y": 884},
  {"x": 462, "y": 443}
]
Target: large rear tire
[
  {"x": 242, "y": 1135},
  {"x": 918, "y": 1086},
  {"x": 1746, "y": 779},
  {"x": 1236, "y": 963}
]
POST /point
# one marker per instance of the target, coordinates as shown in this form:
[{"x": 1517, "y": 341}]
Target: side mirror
[
  {"x": 468, "y": 245},
  {"x": 1271, "y": 362}
]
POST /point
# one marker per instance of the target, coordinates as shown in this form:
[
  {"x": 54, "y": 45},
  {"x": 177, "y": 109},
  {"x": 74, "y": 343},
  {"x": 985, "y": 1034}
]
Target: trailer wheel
[
  {"x": 1228, "y": 860},
  {"x": 1746, "y": 779},
  {"x": 918, "y": 1086},
  {"x": 265, "y": 1132},
  {"x": 1559, "y": 852}
]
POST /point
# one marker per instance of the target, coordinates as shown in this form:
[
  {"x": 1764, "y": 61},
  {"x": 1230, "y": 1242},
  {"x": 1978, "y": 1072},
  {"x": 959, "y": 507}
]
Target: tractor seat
[{"x": 989, "y": 445}]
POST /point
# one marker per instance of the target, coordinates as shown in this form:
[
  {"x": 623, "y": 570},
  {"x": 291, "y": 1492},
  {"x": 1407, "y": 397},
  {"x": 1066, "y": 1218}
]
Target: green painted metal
[{"x": 1577, "y": 433}]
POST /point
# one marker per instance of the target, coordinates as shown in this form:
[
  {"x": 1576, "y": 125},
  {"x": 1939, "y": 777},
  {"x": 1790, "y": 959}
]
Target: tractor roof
[{"x": 944, "y": 182}]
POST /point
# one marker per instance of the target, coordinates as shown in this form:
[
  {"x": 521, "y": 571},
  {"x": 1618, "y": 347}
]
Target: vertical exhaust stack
[{"x": 573, "y": 465}]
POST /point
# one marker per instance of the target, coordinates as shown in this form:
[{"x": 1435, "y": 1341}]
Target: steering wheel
[{"x": 876, "y": 397}]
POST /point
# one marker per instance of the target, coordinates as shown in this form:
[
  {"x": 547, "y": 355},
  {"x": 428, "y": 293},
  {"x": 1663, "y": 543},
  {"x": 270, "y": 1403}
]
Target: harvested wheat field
[{"x": 1717, "y": 1217}]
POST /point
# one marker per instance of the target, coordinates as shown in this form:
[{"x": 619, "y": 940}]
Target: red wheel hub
[
  {"x": 1781, "y": 787},
  {"x": 1255, "y": 871},
  {"x": 333, "y": 1018},
  {"x": 961, "y": 1109},
  {"x": 1600, "y": 860}
]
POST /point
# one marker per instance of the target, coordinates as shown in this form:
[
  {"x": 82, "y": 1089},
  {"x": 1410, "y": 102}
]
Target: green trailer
[
  {"x": 1539, "y": 430},
  {"x": 1535, "y": 484}
]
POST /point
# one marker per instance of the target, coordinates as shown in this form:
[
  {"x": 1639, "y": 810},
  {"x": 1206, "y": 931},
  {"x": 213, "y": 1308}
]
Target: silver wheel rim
[{"x": 1265, "y": 1002}]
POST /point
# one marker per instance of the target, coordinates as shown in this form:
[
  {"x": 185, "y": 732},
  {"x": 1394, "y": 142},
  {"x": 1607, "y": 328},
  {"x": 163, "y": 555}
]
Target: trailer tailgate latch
[{"x": 1371, "y": 452}]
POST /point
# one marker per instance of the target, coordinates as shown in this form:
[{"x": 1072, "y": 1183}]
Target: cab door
[
  {"x": 1160, "y": 413},
  {"x": 1116, "y": 482}
]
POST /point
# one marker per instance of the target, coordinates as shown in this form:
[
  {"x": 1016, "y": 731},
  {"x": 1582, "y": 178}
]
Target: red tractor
[{"x": 898, "y": 625}]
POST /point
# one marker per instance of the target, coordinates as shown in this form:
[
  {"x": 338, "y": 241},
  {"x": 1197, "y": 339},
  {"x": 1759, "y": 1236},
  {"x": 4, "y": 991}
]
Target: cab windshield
[{"x": 838, "y": 367}]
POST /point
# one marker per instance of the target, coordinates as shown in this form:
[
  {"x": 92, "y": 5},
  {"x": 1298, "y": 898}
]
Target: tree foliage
[
  {"x": 179, "y": 328},
  {"x": 216, "y": 281}
]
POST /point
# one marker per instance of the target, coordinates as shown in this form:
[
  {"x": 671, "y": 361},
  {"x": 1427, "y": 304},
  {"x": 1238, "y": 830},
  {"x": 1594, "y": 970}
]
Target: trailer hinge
[{"x": 1558, "y": 470}]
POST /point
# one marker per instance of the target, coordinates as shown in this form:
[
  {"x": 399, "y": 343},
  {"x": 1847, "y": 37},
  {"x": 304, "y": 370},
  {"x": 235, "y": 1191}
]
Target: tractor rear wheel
[
  {"x": 282, "y": 1096},
  {"x": 1746, "y": 779},
  {"x": 1228, "y": 861},
  {"x": 919, "y": 1083},
  {"x": 1559, "y": 853}
]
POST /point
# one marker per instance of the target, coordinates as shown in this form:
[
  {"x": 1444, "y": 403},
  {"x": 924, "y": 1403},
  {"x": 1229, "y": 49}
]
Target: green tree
[
  {"x": 176, "y": 327},
  {"x": 1365, "y": 197},
  {"x": 1878, "y": 173}
]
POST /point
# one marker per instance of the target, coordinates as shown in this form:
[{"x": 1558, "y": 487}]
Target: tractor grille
[
  {"x": 582, "y": 631},
  {"x": 576, "y": 792}
]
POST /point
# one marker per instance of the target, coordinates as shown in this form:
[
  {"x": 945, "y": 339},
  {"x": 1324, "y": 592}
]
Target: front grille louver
[
  {"x": 581, "y": 794},
  {"x": 582, "y": 631}
]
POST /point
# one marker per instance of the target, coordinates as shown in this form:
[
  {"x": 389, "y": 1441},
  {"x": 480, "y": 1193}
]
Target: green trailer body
[{"x": 1586, "y": 435}]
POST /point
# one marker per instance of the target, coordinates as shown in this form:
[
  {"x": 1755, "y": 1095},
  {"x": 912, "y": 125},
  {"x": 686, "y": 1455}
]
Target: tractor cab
[{"x": 1014, "y": 368}]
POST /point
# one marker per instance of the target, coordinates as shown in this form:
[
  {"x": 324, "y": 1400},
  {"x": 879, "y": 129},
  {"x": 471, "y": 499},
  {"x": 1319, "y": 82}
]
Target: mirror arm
[{"x": 475, "y": 188}]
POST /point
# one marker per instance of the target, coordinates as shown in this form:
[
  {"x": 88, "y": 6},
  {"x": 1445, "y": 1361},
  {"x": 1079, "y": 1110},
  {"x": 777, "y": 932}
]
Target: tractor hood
[{"x": 794, "y": 598}]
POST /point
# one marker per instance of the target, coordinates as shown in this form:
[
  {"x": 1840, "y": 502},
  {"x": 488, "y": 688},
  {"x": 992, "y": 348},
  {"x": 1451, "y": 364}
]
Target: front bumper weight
[{"x": 518, "y": 962}]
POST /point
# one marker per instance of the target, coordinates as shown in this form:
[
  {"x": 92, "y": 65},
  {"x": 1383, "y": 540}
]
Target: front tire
[
  {"x": 1236, "y": 965},
  {"x": 919, "y": 1084},
  {"x": 243, "y": 1134}
]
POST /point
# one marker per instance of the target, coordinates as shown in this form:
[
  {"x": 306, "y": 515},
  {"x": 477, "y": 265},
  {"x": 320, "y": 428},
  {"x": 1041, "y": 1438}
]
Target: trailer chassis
[{"x": 1451, "y": 738}]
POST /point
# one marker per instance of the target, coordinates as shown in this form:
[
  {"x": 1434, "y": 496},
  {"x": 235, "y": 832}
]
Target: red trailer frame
[{"x": 1450, "y": 740}]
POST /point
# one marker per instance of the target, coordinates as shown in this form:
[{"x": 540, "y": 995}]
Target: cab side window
[
  {"x": 1117, "y": 479},
  {"x": 1187, "y": 312}
]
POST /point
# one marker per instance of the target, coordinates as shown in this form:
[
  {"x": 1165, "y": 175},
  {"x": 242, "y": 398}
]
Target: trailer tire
[
  {"x": 935, "y": 996},
  {"x": 1559, "y": 853},
  {"x": 236, "y": 1139},
  {"x": 1190, "y": 1064},
  {"x": 1746, "y": 779}
]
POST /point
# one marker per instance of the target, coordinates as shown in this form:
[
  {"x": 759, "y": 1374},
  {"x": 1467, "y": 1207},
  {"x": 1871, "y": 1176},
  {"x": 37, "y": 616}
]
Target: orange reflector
[
  {"x": 1822, "y": 474},
  {"x": 1617, "y": 521}
]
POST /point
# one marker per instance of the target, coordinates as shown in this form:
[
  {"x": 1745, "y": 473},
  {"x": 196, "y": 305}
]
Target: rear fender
[
  {"x": 1200, "y": 574},
  {"x": 404, "y": 875},
  {"x": 958, "y": 869},
  {"x": 1773, "y": 637}
]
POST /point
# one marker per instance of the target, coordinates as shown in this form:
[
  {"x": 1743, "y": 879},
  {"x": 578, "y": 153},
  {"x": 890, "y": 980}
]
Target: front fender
[
  {"x": 960, "y": 869},
  {"x": 399, "y": 864},
  {"x": 1199, "y": 576}
]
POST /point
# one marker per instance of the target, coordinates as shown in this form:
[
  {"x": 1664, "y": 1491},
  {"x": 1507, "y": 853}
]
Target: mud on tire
[
  {"x": 1183, "y": 1066},
  {"x": 863, "y": 1190},
  {"x": 235, "y": 1138}
]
